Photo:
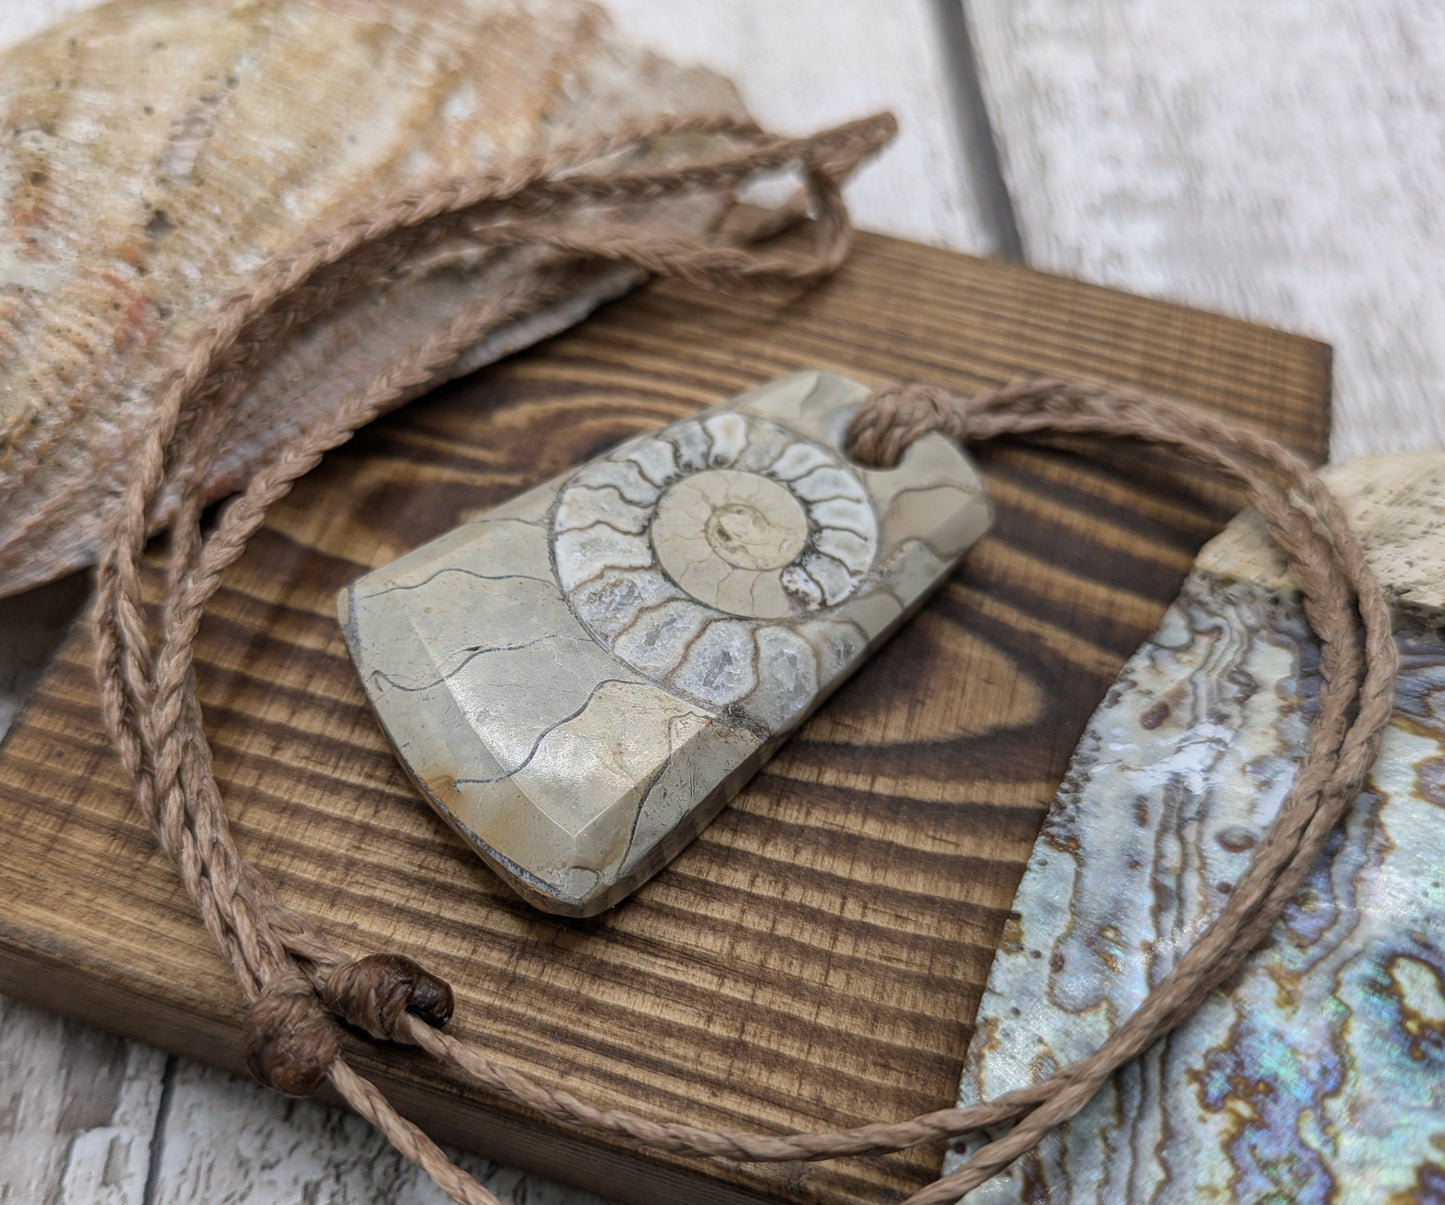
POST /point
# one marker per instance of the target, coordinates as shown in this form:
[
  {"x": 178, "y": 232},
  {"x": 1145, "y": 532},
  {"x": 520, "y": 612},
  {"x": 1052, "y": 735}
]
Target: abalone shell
[{"x": 1318, "y": 1072}]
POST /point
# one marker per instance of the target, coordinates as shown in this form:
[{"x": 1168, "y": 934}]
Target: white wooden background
[{"x": 1282, "y": 162}]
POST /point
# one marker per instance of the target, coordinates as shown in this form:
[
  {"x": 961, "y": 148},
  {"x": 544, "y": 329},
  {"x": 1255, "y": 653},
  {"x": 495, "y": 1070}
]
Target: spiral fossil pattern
[
  {"x": 691, "y": 554},
  {"x": 578, "y": 679}
]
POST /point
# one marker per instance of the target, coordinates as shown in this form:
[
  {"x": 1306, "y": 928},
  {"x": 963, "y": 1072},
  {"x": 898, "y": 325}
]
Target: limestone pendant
[{"x": 580, "y": 679}]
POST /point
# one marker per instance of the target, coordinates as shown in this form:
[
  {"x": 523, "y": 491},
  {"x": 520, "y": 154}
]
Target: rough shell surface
[
  {"x": 1318, "y": 1072},
  {"x": 155, "y": 152},
  {"x": 579, "y": 679}
]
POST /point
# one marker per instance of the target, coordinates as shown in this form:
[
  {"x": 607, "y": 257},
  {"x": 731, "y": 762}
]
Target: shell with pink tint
[{"x": 153, "y": 153}]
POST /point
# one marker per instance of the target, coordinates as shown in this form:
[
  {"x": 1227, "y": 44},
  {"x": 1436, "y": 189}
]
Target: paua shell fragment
[
  {"x": 1317, "y": 1074},
  {"x": 580, "y": 679},
  {"x": 153, "y": 153}
]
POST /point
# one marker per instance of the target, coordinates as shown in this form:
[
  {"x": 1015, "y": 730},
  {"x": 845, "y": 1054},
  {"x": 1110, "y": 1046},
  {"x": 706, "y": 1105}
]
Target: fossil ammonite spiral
[
  {"x": 579, "y": 678},
  {"x": 682, "y": 550}
]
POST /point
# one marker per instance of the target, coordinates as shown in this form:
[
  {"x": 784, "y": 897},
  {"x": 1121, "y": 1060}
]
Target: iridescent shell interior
[{"x": 1317, "y": 1073}]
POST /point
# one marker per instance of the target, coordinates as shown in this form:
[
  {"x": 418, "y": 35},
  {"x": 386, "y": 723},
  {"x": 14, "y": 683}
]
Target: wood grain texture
[
  {"x": 778, "y": 88},
  {"x": 20, "y": 20},
  {"x": 1282, "y": 162},
  {"x": 815, "y": 958}
]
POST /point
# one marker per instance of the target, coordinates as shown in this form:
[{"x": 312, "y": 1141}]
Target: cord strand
[{"x": 297, "y": 980}]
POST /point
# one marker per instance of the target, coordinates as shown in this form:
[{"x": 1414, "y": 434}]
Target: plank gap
[{"x": 977, "y": 146}]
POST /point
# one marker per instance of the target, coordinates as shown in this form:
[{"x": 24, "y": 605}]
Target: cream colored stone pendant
[{"x": 581, "y": 678}]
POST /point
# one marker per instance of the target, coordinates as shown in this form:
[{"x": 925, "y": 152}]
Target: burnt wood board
[{"x": 815, "y": 959}]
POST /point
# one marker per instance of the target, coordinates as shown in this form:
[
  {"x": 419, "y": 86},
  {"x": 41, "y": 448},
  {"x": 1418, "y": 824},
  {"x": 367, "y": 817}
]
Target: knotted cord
[{"x": 297, "y": 982}]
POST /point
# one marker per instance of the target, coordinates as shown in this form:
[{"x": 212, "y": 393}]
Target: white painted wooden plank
[
  {"x": 230, "y": 1142},
  {"x": 897, "y": 63},
  {"x": 1282, "y": 161},
  {"x": 808, "y": 63},
  {"x": 77, "y": 1111}
]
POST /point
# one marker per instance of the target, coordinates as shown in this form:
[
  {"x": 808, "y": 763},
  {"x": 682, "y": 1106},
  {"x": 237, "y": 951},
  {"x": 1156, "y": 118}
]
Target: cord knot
[
  {"x": 895, "y": 415},
  {"x": 290, "y": 1040},
  {"x": 374, "y": 993}
]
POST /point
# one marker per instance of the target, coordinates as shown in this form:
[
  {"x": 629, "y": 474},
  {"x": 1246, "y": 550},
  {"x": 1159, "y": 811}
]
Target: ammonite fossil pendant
[{"x": 581, "y": 678}]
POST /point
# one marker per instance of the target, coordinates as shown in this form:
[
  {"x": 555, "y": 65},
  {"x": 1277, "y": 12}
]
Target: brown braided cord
[{"x": 296, "y": 979}]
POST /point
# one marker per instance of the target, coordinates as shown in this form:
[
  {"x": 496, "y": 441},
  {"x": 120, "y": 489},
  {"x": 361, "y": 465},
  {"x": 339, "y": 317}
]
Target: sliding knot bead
[
  {"x": 374, "y": 993},
  {"x": 290, "y": 1041}
]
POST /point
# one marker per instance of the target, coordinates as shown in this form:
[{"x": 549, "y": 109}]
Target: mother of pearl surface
[{"x": 1316, "y": 1072}]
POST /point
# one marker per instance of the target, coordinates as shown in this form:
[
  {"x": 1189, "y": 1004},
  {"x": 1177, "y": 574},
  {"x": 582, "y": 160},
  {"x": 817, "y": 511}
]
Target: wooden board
[
  {"x": 815, "y": 959},
  {"x": 1282, "y": 162},
  {"x": 859, "y": 58}
]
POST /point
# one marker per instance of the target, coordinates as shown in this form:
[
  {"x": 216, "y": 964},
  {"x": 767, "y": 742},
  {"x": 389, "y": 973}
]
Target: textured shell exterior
[
  {"x": 1317, "y": 1073},
  {"x": 152, "y": 154}
]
